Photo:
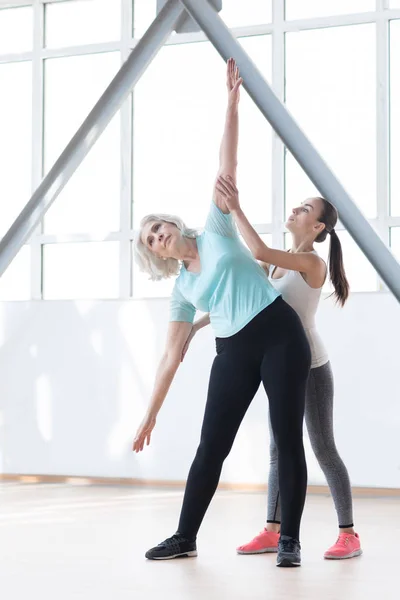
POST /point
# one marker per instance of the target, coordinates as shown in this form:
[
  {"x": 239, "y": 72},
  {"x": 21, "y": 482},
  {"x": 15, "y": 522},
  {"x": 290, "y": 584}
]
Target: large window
[
  {"x": 331, "y": 92},
  {"x": 395, "y": 117},
  {"x": 334, "y": 62},
  {"x": 15, "y": 139},
  {"x": 90, "y": 201},
  {"x": 81, "y": 270},
  {"x": 177, "y": 135}
]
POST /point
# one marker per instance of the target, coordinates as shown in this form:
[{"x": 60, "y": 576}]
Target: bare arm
[
  {"x": 230, "y": 138},
  {"x": 178, "y": 333},
  {"x": 304, "y": 262},
  {"x": 202, "y": 322}
]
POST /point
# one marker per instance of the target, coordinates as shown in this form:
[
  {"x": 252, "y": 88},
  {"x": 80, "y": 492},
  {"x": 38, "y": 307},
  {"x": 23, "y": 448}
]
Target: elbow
[{"x": 259, "y": 254}]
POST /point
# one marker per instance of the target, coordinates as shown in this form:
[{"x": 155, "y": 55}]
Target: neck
[
  {"x": 301, "y": 244},
  {"x": 189, "y": 251}
]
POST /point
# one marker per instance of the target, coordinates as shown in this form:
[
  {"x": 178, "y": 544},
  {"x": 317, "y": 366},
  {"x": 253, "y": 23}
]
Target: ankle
[
  {"x": 186, "y": 538},
  {"x": 349, "y": 530},
  {"x": 273, "y": 527}
]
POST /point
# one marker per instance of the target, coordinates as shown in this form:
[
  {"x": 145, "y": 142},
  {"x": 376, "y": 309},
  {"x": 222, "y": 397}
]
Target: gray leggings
[{"x": 319, "y": 420}]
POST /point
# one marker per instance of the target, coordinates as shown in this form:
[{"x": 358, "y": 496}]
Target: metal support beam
[
  {"x": 301, "y": 148},
  {"x": 89, "y": 132},
  {"x": 186, "y": 23}
]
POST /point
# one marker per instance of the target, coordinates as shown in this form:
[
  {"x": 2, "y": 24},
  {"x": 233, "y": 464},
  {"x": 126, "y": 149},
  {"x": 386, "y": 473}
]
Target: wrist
[
  {"x": 237, "y": 212},
  {"x": 233, "y": 107},
  {"x": 152, "y": 413}
]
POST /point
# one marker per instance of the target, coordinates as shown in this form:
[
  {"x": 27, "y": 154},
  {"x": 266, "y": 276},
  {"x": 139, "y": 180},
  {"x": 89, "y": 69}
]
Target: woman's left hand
[
  {"x": 233, "y": 82},
  {"x": 226, "y": 187}
]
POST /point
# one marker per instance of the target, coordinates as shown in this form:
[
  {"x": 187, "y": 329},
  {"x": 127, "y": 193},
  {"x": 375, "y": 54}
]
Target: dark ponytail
[{"x": 337, "y": 274}]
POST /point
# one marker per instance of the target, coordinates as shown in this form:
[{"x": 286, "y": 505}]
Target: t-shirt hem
[{"x": 246, "y": 321}]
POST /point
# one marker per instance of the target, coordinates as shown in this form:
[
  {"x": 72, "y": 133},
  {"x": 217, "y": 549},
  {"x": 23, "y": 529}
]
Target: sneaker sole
[
  {"x": 351, "y": 555},
  {"x": 191, "y": 554},
  {"x": 262, "y": 551},
  {"x": 285, "y": 562}
]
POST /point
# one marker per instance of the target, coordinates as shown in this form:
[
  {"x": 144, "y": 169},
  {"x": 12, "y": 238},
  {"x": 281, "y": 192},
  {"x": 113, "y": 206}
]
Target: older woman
[{"x": 258, "y": 338}]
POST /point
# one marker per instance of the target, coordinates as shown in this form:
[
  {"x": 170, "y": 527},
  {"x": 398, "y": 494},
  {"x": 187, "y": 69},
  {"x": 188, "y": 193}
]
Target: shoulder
[{"x": 317, "y": 271}]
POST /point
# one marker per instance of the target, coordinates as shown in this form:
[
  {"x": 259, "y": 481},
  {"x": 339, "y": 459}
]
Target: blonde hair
[{"x": 158, "y": 268}]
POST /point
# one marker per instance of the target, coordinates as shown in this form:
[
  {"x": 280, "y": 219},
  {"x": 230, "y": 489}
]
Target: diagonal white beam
[
  {"x": 299, "y": 145},
  {"x": 90, "y": 131}
]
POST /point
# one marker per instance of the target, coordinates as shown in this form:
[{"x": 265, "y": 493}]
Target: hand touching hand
[{"x": 228, "y": 192}]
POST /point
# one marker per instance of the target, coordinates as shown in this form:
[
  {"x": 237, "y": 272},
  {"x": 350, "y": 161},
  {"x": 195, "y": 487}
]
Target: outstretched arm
[
  {"x": 177, "y": 335},
  {"x": 230, "y": 138}
]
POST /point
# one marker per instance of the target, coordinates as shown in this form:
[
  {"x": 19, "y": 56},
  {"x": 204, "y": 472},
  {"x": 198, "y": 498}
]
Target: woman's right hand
[
  {"x": 143, "y": 434},
  {"x": 233, "y": 82}
]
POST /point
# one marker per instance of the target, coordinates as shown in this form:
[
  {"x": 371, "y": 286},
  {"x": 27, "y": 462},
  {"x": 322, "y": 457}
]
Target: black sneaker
[
  {"x": 176, "y": 546},
  {"x": 288, "y": 552}
]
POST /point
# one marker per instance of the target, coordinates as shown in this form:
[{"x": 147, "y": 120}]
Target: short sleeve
[
  {"x": 220, "y": 223},
  {"x": 180, "y": 309}
]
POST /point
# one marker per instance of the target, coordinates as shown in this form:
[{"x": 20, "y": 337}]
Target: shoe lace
[
  {"x": 171, "y": 540},
  {"x": 342, "y": 540},
  {"x": 289, "y": 545}
]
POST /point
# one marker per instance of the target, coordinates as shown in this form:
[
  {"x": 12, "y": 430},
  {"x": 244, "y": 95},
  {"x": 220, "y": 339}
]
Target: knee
[
  {"x": 290, "y": 448},
  {"x": 325, "y": 453},
  {"x": 211, "y": 452}
]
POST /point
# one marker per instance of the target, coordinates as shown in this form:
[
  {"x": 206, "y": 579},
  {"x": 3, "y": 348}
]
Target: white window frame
[{"x": 381, "y": 17}]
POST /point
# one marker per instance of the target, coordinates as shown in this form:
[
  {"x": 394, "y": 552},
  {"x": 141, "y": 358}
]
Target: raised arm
[
  {"x": 304, "y": 262},
  {"x": 178, "y": 333},
  {"x": 229, "y": 143}
]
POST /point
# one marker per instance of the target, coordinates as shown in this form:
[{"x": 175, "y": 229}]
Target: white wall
[{"x": 75, "y": 379}]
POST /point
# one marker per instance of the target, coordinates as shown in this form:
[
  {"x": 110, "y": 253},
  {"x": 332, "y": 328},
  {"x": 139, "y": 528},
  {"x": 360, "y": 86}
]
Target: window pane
[
  {"x": 176, "y": 144},
  {"x": 144, "y": 13},
  {"x": 360, "y": 273},
  {"x": 16, "y": 30},
  {"x": 308, "y": 9},
  {"x": 330, "y": 90},
  {"x": 90, "y": 201},
  {"x": 75, "y": 22},
  {"x": 15, "y": 140},
  {"x": 251, "y": 12},
  {"x": 395, "y": 241},
  {"x": 15, "y": 283},
  {"x": 395, "y": 117},
  {"x": 85, "y": 270}
]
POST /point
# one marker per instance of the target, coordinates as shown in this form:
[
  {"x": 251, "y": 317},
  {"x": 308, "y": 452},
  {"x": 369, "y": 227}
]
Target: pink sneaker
[
  {"x": 265, "y": 541},
  {"x": 347, "y": 546}
]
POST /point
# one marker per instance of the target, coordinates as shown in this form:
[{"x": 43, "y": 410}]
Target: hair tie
[{"x": 332, "y": 231}]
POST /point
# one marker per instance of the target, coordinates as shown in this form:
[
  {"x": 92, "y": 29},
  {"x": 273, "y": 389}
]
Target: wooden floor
[{"x": 59, "y": 542}]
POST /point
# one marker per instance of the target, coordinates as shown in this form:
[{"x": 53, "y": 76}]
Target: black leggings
[{"x": 273, "y": 349}]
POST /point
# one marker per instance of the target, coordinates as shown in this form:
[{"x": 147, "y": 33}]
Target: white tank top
[{"x": 304, "y": 300}]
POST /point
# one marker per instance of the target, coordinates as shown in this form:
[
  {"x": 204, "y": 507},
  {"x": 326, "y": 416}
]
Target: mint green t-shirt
[{"x": 231, "y": 285}]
